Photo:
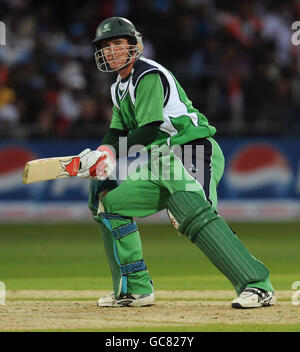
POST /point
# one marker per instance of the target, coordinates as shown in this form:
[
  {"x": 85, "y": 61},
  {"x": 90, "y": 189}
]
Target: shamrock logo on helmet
[{"x": 106, "y": 27}]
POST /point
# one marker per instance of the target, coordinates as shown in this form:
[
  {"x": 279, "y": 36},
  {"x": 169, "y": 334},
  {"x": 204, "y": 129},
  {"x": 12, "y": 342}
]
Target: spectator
[
  {"x": 9, "y": 114},
  {"x": 230, "y": 56}
]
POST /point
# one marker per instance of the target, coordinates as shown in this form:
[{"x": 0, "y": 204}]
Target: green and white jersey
[{"x": 151, "y": 93}]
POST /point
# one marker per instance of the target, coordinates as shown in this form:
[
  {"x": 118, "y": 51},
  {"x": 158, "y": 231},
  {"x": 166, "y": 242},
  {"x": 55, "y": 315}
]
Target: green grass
[
  {"x": 72, "y": 257},
  {"x": 67, "y": 256}
]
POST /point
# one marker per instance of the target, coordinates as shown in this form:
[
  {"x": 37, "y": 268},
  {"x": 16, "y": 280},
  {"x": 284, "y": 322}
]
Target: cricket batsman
[{"x": 150, "y": 108}]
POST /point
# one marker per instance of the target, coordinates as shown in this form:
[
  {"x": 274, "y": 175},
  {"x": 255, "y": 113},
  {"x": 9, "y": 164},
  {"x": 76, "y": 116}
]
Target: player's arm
[
  {"x": 143, "y": 136},
  {"x": 101, "y": 162},
  {"x": 150, "y": 98},
  {"x": 151, "y": 94}
]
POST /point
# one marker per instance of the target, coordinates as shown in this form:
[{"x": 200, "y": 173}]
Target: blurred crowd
[{"x": 235, "y": 59}]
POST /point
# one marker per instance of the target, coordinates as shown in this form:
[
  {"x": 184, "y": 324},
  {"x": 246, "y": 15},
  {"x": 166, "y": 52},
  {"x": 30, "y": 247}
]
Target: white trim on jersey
[{"x": 173, "y": 107}]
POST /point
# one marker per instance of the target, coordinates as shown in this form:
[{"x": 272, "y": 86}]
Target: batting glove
[{"x": 97, "y": 164}]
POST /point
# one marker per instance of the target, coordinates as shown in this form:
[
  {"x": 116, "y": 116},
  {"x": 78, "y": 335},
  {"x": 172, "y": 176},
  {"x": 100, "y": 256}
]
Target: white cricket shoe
[
  {"x": 253, "y": 297},
  {"x": 126, "y": 300}
]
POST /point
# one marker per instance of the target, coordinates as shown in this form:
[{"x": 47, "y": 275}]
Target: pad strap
[
  {"x": 134, "y": 267},
  {"x": 111, "y": 216},
  {"x": 124, "y": 230}
]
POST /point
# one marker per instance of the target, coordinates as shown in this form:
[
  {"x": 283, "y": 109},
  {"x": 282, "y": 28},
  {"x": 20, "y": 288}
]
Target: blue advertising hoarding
[
  {"x": 256, "y": 170},
  {"x": 13, "y": 157},
  {"x": 261, "y": 169}
]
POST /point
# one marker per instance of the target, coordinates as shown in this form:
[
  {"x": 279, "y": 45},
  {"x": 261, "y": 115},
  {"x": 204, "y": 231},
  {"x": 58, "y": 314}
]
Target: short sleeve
[
  {"x": 149, "y": 101},
  {"x": 117, "y": 121}
]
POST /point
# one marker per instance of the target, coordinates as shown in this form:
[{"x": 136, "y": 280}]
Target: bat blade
[{"x": 50, "y": 169}]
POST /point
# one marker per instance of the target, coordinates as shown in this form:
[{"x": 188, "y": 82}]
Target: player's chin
[{"x": 117, "y": 65}]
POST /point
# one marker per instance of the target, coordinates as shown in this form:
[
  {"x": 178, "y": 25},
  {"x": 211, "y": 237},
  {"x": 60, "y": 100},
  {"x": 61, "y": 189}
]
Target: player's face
[{"x": 116, "y": 52}]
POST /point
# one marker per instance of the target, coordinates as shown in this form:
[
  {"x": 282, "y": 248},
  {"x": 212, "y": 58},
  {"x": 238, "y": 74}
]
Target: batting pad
[
  {"x": 113, "y": 264},
  {"x": 124, "y": 251},
  {"x": 194, "y": 217}
]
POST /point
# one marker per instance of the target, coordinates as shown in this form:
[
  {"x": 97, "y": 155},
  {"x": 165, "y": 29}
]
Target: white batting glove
[
  {"x": 97, "y": 164},
  {"x": 88, "y": 158}
]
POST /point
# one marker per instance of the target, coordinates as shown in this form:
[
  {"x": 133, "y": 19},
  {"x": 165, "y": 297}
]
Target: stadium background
[
  {"x": 237, "y": 63},
  {"x": 235, "y": 59}
]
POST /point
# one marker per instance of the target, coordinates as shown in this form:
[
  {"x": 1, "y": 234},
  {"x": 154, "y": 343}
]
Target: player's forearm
[
  {"x": 112, "y": 136},
  {"x": 142, "y": 136}
]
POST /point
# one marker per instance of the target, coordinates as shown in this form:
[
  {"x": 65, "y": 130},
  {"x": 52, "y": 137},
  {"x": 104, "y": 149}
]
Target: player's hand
[
  {"x": 97, "y": 164},
  {"x": 105, "y": 165}
]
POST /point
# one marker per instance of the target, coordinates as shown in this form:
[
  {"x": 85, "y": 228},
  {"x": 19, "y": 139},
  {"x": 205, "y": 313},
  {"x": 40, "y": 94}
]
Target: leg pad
[
  {"x": 196, "y": 219},
  {"x": 124, "y": 251}
]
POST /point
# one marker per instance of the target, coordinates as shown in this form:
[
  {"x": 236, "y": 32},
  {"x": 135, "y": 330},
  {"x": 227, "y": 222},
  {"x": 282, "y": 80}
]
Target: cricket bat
[{"x": 51, "y": 168}]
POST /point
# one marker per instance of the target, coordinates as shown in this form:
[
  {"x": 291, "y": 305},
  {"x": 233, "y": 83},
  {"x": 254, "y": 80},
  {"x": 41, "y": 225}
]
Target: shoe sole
[
  {"x": 147, "y": 302},
  {"x": 129, "y": 304},
  {"x": 144, "y": 302}
]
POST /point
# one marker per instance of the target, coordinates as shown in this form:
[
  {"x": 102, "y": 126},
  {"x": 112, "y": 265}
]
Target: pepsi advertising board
[
  {"x": 261, "y": 176},
  {"x": 261, "y": 169}
]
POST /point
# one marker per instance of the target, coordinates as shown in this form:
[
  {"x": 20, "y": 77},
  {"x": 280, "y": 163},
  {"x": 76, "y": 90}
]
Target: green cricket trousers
[{"x": 184, "y": 179}]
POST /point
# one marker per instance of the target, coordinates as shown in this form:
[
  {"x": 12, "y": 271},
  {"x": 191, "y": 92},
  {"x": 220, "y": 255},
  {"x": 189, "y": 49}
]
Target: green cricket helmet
[{"x": 115, "y": 27}]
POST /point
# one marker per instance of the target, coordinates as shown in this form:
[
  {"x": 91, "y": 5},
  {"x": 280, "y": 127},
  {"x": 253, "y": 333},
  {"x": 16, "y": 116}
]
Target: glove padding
[{"x": 97, "y": 164}]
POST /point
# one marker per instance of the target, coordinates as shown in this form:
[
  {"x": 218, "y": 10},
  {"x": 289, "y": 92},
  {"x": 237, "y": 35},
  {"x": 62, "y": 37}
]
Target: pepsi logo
[
  {"x": 12, "y": 163},
  {"x": 259, "y": 165}
]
